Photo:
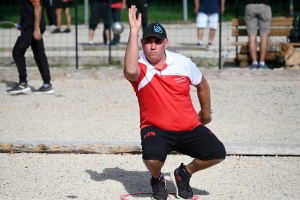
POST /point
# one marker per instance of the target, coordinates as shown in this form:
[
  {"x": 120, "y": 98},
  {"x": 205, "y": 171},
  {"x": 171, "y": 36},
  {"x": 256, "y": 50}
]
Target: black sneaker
[
  {"x": 57, "y": 30},
  {"x": 159, "y": 188},
  {"x": 181, "y": 180},
  {"x": 44, "y": 90},
  {"x": 67, "y": 30},
  {"x": 18, "y": 89}
]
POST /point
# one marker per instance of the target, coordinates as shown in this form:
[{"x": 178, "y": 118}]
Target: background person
[
  {"x": 207, "y": 11},
  {"x": 50, "y": 10},
  {"x": 161, "y": 80},
  {"x": 99, "y": 10},
  {"x": 63, "y": 6},
  {"x": 258, "y": 14},
  {"x": 116, "y": 7},
  {"x": 142, "y": 6},
  {"x": 32, "y": 27}
]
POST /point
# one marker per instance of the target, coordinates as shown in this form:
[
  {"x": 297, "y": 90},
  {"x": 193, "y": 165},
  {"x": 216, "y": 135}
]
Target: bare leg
[
  {"x": 68, "y": 17},
  {"x": 107, "y": 35},
  {"x": 200, "y": 34},
  {"x": 263, "y": 47},
  {"x": 154, "y": 167},
  {"x": 58, "y": 17},
  {"x": 91, "y": 34},
  {"x": 197, "y": 165},
  {"x": 211, "y": 35},
  {"x": 252, "y": 47}
]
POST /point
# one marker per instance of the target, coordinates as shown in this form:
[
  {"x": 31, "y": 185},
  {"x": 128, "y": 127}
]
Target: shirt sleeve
[{"x": 194, "y": 73}]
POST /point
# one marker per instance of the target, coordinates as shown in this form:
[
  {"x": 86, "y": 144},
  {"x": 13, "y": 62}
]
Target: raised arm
[
  {"x": 37, "y": 19},
  {"x": 132, "y": 70},
  {"x": 203, "y": 92}
]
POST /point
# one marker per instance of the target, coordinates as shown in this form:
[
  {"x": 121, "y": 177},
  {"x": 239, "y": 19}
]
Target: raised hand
[{"x": 134, "y": 23}]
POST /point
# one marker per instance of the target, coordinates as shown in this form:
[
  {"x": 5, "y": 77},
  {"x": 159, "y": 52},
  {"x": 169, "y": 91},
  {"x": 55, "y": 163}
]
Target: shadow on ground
[{"x": 133, "y": 181}]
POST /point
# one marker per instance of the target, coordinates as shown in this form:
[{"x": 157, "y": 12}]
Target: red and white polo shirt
[{"x": 164, "y": 94}]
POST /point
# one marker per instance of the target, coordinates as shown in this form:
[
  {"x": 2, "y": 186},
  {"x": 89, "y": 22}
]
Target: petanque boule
[{"x": 117, "y": 28}]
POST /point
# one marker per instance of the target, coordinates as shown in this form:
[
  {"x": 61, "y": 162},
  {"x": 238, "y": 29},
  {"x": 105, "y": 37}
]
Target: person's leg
[
  {"x": 213, "y": 25},
  {"x": 252, "y": 47},
  {"x": 264, "y": 22},
  {"x": 201, "y": 23},
  {"x": 91, "y": 35},
  {"x": 154, "y": 158},
  {"x": 263, "y": 47},
  {"x": 95, "y": 17},
  {"x": 18, "y": 53},
  {"x": 58, "y": 12},
  {"x": 68, "y": 17},
  {"x": 41, "y": 60},
  {"x": 116, "y": 16},
  {"x": 52, "y": 16},
  {"x": 251, "y": 25},
  {"x": 143, "y": 7},
  {"x": 202, "y": 145},
  {"x": 106, "y": 20}
]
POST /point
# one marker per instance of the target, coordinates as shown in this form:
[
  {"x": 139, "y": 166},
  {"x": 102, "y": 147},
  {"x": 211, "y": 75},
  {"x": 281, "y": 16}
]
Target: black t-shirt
[
  {"x": 27, "y": 15},
  {"x": 267, "y": 2}
]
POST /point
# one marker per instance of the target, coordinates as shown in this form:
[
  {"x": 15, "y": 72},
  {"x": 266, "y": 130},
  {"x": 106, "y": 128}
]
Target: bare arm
[
  {"x": 223, "y": 6},
  {"x": 132, "y": 70},
  {"x": 124, "y": 6},
  {"x": 203, "y": 92},
  {"x": 196, "y": 6},
  {"x": 37, "y": 19}
]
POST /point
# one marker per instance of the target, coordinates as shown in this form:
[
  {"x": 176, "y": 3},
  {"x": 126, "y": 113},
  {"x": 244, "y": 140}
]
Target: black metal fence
[{"x": 177, "y": 16}]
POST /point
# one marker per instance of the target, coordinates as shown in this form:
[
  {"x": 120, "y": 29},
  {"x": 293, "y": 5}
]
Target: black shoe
[
  {"x": 57, "y": 30},
  {"x": 67, "y": 30},
  {"x": 181, "y": 180},
  {"x": 159, "y": 188},
  {"x": 45, "y": 90},
  {"x": 18, "y": 89},
  {"x": 113, "y": 43}
]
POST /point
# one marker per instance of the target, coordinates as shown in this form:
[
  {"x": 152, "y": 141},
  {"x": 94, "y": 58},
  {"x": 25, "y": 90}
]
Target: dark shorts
[
  {"x": 63, "y": 5},
  {"x": 99, "y": 10},
  {"x": 197, "y": 143}
]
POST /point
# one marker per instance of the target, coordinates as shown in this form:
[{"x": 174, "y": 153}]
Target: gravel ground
[
  {"x": 101, "y": 106},
  {"x": 105, "y": 108},
  {"x": 71, "y": 176}
]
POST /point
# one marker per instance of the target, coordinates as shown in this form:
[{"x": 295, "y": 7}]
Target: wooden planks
[
  {"x": 273, "y": 32},
  {"x": 276, "y": 21},
  {"x": 100, "y": 147}
]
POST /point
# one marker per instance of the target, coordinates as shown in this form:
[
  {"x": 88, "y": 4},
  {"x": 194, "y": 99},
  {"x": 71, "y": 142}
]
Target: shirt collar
[{"x": 169, "y": 59}]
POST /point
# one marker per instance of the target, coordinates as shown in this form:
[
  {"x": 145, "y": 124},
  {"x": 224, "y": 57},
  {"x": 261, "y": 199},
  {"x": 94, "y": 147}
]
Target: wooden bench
[{"x": 280, "y": 26}]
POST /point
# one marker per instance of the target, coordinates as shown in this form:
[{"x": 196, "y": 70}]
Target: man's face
[{"x": 154, "y": 48}]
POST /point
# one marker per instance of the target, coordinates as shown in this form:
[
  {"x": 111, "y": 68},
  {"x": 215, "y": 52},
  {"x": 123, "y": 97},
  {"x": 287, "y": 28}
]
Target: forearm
[
  {"x": 37, "y": 14},
  {"x": 132, "y": 56},
  {"x": 203, "y": 92}
]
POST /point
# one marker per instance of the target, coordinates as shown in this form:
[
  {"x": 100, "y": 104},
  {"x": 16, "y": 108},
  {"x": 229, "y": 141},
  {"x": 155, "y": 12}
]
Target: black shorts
[
  {"x": 99, "y": 10},
  {"x": 197, "y": 143},
  {"x": 63, "y": 5}
]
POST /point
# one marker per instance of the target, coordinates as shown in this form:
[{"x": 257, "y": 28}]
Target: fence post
[
  {"x": 86, "y": 11},
  {"x": 76, "y": 32},
  {"x": 185, "y": 10},
  {"x": 291, "y": 7},
  {"x": 220, "y": 34}
]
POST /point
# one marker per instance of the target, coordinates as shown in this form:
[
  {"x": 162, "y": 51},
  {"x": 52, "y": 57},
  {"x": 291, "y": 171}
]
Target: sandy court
[{"x": 99, "y": 105}]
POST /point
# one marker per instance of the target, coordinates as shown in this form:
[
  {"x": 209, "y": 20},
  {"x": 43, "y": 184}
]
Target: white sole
[{"x": 20, "y": 91}]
